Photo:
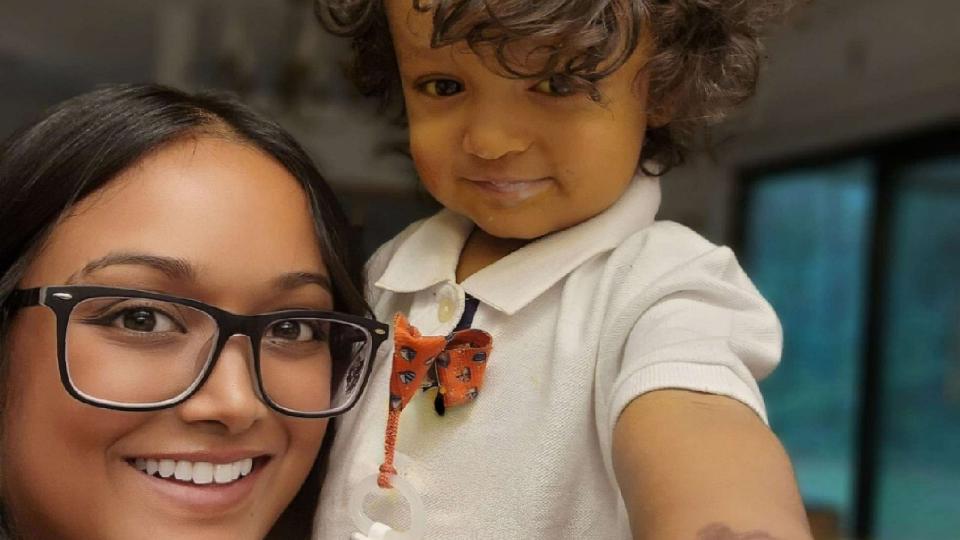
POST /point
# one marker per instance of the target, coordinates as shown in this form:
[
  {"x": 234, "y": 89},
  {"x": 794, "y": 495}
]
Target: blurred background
[{"x": 839, "y": 187}]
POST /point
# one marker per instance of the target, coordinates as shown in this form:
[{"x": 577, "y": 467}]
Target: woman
[{"x": 179, "y": 318}]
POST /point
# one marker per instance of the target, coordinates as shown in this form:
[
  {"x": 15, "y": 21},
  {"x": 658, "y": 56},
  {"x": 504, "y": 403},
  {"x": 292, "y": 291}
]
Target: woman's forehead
[{"x": 225, "y": 208}]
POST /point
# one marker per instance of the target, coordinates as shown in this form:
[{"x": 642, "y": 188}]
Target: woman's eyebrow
[
  {"x": 294, "y": 280},
  {"x": 176, "y": 269}
]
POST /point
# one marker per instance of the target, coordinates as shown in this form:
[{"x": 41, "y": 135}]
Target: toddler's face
[{"x": 518, "y": 157}]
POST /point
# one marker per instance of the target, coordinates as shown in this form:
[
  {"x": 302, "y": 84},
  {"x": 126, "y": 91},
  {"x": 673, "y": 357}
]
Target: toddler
[{"x": 620, "y": 393}]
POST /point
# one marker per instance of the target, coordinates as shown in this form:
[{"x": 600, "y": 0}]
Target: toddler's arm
[
  {"x": 690, "y": 448},
  {"x": 704, "y": 467}
]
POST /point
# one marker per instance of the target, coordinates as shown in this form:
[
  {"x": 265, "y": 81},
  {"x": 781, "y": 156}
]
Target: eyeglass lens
[{"x": 140, "y": 351}]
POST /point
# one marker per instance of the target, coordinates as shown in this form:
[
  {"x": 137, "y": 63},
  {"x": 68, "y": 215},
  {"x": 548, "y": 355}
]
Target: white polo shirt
[{"x": 583, "y": 321}]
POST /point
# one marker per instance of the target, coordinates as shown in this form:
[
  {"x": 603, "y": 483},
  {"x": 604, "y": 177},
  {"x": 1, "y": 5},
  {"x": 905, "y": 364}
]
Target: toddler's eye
[
  {"x": 441, "y": 87},
  {"x": 556, "y": 85}
]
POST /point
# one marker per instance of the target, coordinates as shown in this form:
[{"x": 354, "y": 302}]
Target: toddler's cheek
[{"x": 431, "y": 167}]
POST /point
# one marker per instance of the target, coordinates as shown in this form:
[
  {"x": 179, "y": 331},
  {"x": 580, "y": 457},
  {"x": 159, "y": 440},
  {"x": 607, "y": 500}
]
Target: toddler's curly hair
[{"x": 705, "y": 56}]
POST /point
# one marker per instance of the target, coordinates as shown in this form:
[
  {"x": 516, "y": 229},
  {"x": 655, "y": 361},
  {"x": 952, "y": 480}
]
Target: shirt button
[{"x": 445, "y": 309}]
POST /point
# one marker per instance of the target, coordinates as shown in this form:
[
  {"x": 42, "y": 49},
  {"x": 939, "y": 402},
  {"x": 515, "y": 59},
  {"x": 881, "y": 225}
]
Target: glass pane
[
  {"x": 806, "y": 248},
  {"x": 919, "y": 482}
]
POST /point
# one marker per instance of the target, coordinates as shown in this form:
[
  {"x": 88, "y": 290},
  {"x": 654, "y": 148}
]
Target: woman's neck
[{"x": 482, "y": 250}]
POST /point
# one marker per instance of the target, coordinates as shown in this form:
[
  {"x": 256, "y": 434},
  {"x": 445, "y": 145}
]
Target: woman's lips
[{"x": 202, "y": 487}]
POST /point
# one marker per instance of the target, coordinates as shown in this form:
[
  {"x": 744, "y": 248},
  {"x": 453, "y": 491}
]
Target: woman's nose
[
  {"x": 492, "y": 132},
  {"x": 228, "y": 396}
]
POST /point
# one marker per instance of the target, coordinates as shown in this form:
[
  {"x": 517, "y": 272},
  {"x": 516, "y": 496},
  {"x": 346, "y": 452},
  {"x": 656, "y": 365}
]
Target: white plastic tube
[{"x": 371, "y": 530}]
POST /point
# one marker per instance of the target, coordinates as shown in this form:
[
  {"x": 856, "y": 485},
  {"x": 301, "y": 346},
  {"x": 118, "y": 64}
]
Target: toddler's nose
[{"x": 491, "y": 135}]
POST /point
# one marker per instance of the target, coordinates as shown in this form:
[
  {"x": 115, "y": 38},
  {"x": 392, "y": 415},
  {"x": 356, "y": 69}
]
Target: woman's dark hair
[
  {"x": 80, "y": 145},
  {"x": 705, "y": 58}
]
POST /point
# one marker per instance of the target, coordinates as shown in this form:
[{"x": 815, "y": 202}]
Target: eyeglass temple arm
[{"x": 21, "y": 298}]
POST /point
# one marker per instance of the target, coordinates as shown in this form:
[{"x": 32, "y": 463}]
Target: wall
[{"x": 840, "y": 72}]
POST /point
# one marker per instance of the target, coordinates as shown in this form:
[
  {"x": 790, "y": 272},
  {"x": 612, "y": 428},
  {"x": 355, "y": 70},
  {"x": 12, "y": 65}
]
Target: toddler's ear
[{"x": 661, "y": 113}]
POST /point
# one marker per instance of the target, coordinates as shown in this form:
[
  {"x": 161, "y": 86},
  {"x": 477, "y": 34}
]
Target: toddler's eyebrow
[{"x": 412, "y": 51}]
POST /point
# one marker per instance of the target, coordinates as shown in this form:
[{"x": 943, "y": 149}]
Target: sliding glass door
[
  {"x": 860, "y": 256},
  {"x": 919, "y": 453}
]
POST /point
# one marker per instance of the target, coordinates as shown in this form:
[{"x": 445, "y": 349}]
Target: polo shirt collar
[{"x": 429, "y": 255}]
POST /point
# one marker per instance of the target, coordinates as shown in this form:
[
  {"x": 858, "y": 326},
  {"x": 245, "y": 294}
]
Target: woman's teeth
[{"x": 200, "y": 472}]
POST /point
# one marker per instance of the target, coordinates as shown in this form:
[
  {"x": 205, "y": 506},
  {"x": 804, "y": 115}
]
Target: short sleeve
[{"x": 700, "y": 326}]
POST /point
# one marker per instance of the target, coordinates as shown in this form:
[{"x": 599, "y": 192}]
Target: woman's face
[{"x": 203, "y": 218}]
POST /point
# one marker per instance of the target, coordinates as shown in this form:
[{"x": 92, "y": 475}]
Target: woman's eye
[
  {"x": 441, "y": 87},
  {"x": 555, "y": 85},
  {"x": 145, "y": 320},
  {"x": 293, "y": 330}
]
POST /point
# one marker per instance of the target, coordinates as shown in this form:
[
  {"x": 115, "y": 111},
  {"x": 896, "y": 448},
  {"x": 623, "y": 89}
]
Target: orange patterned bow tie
[{"x": 457, "y": 361}]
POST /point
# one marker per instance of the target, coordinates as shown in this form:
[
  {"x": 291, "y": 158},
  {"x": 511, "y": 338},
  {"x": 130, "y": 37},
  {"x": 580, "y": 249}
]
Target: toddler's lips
[{"x": 514, "y": 189}]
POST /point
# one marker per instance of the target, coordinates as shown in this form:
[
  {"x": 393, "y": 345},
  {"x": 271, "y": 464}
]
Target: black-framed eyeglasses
[{"x": 135, "y": 350}]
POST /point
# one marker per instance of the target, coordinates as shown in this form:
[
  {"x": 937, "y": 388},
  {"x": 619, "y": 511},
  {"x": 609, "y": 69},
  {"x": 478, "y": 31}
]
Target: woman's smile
[
  {"x": 201, "y": 487},
  {"x": 199, "y": 473}
]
